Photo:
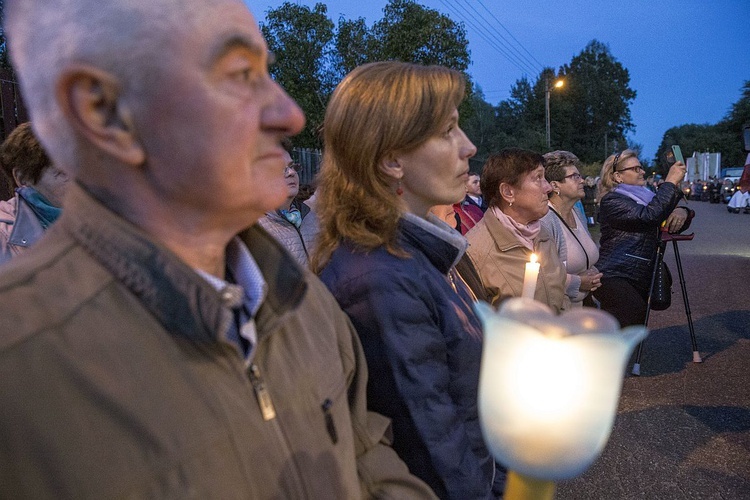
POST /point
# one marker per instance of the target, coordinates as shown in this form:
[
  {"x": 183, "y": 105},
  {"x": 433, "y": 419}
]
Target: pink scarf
[{"x": 525, "y": 233}]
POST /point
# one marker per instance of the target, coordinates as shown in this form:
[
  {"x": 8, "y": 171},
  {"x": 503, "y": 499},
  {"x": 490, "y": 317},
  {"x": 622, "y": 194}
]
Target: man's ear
[{"x": 91, "y": 100}]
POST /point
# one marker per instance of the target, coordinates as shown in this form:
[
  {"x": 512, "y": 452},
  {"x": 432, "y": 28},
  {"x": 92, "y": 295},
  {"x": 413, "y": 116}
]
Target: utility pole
[{"x": 547, "y": 89}]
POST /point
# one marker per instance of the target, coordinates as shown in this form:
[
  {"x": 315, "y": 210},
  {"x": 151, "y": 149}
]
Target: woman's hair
[
  {"x": 508, "y": 166},
  {"x": 377, "y": 110},
  {"x": 22, "y": 151},
  {"x": 607, "y": 176},
  {"x": 556, "y": 162}
]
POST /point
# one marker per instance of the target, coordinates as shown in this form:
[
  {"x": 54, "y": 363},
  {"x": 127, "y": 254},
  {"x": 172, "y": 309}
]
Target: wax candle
[{"x": 529, "y": 278}]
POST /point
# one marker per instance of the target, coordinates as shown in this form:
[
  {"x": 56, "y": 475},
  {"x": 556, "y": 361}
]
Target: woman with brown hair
[
  {"x": 393, "y": 149},
  {"x": 502, "y": 242}
]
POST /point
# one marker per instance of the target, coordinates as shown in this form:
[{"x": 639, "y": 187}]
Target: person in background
[
  {"x": 590, "y": 200},
  {"x": 630, "y": 216},
  {"x": 157, "y": 343},
  {"x": 578, "y": 251},
  {"x": 464, "y": 267},
  {"x": 393, "y": 149},
  {"x": 295, "y": 224},
  {"x": 471, "y": 209},
  {"x": 39, "y": 186},
  {"x": 501, "y": 243}
]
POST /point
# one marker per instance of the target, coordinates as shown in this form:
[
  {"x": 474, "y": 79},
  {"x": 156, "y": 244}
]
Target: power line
[
  {"x": 486, "y": 35},
  {"x": 504, "y": 41},
  {"x": 510, "y": 34}
]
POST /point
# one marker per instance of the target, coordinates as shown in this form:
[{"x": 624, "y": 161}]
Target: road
[{"x": 683, "y": 428}]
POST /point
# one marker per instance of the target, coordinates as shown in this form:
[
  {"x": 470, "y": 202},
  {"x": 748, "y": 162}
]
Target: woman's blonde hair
[
  {"x": 607, "y": 176},
  {"x": 379, "y": 109}
]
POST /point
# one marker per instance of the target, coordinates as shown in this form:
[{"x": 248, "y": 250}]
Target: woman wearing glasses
[
  {"x": 630, "y": 218},
  {"x": 578, "y": 252},
  {"x": 502, "y": 242}
]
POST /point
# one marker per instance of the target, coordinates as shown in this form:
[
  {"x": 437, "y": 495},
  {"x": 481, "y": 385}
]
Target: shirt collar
[{"x": 249, "y": 279}]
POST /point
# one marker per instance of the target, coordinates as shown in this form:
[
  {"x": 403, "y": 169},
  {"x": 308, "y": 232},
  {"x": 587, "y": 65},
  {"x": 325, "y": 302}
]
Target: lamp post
[{"x": 547, "y": 89}]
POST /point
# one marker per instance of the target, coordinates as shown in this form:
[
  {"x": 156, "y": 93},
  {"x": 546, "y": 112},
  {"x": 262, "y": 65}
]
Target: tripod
[{"x": 664, "y": 238}]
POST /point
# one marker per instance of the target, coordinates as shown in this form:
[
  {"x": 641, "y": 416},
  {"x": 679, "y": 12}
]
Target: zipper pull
[
  {"x": 261, "y": 394},
  {"x": 330, "y": 426}
]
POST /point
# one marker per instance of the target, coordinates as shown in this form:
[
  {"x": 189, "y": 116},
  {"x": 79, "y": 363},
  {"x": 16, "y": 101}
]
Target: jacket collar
[
  {"x": 183, "y": 302},
  {"x": 26, "y": 229},
  {"x": 442, "y": 245},
  {"x": 503, "y": 238}
]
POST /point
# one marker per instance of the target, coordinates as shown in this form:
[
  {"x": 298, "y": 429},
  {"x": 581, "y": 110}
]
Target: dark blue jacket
[
  {"x": 629, "y": 234},
  {"x": 423, "y": 346}
]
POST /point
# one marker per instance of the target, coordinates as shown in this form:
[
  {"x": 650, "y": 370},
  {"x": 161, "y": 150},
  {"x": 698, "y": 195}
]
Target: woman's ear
[
  {"x": 507, "y": 192},
  {"x": 391, "y": 167},
  {"x": 19, "y": 178},
  {"x": 91, "y": 99}
]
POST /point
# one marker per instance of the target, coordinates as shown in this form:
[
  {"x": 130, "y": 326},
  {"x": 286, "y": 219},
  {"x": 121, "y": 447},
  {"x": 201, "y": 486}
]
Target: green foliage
[
  {"x": 412, "y": 32},
  {"x": 592, "y": 169},
  {"x": 312, "y": 56},
  {"x": 723, "y": 137},
  {"x": 302, "y": 39},
  {"x": 591, "y": 110},
  {"x": 594, "y": 103},
  {"x": 4, "y": 58}
]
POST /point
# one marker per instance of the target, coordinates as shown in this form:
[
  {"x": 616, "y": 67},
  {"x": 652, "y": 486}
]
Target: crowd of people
[{"x": 183, "y": 324}]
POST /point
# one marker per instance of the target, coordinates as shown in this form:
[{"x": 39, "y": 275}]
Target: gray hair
[
  {"x": 119, "y": 37},
  {"x": 555, "y": 163}
]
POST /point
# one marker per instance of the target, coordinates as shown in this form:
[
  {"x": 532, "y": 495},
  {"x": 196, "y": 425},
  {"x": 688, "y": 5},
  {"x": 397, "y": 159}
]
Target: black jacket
[{"x": 629, "y": 234}]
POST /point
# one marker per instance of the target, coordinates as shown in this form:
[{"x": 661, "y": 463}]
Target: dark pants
[{"x": 623, "y": 300}]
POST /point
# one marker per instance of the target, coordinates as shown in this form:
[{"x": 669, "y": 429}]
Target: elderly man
[{"x": 152, "y": 345}]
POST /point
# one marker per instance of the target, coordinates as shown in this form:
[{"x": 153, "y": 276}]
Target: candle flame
[{"x": 533, "y": 258}]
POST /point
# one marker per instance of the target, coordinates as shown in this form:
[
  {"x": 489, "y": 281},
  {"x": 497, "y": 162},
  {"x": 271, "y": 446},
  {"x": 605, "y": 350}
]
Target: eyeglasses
[
  {"x": 292, "y": 167},
  {"x": 576, "y": 177},
  {"x": 639, "y": 167}
]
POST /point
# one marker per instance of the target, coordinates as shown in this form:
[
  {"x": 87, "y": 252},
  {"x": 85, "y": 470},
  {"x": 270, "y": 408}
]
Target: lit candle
[
  {"x": 529, "y": 278},
  {"x": 549, "y": 387}
]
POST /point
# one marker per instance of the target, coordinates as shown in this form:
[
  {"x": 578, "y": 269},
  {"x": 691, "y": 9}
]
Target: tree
[
  {"x": 302, "y": 39},
  {"x": 598, "y": 97},
  {"x": 355, "y": 44},
  {"x": 312, "y": 57},
  {"x": 411, "y": 32},
  {"x": 731, "y": 129},
  {"x": 4, "y": 58},
  {"x": 723, "y": 137}
]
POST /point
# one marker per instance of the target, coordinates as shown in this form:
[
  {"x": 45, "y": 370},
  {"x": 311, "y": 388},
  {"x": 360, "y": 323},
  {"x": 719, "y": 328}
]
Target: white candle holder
[{"x": 549, "y": 387}]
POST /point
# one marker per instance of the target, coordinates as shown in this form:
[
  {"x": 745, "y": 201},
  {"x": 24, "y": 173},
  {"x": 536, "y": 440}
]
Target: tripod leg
[
  {"x": 683, "y": 288},
  {"x": 659, "y": 258}
]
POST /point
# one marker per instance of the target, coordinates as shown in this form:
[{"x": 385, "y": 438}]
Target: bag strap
[{"x": 574, "y": 235}]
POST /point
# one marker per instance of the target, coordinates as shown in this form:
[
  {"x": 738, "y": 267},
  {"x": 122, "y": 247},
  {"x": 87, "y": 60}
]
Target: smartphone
[{"x": 677, "y": 152}]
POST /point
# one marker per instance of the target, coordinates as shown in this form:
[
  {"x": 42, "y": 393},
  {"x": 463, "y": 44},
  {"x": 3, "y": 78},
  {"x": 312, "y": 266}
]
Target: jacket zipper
[
  {"x": 637, "y": 257},
  {"x": 261, "y": 393}
]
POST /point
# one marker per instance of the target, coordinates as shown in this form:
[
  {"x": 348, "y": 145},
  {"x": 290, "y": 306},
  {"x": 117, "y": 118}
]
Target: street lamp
[{"x": 547, "y": 88}]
